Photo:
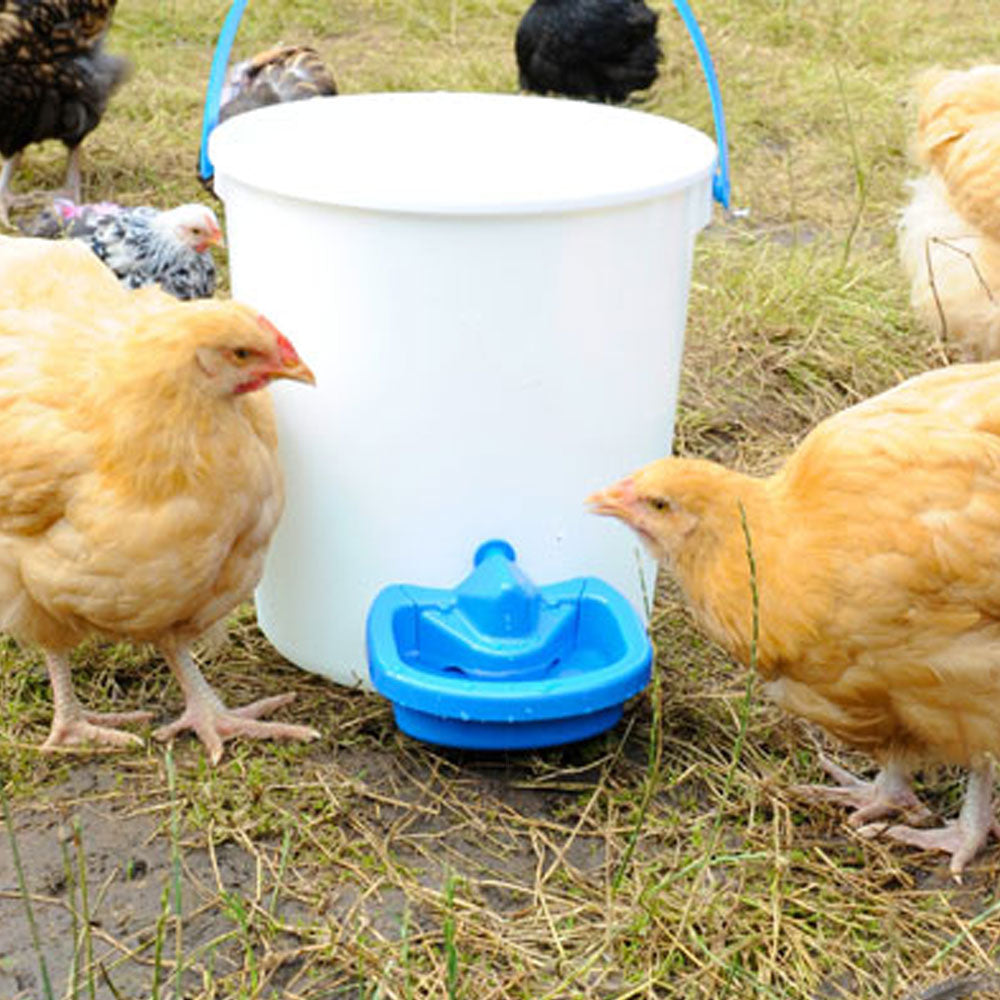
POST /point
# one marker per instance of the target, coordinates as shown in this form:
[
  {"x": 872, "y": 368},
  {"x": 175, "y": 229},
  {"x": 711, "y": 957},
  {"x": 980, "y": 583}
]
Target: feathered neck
[
  {"x": 157, "y": 421},
  {"x": 728, "y": 553}
]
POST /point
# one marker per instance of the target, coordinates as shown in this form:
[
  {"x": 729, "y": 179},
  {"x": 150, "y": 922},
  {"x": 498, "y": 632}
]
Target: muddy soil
[
  {"x": 129, "y": 881},
  {"x": 116, "y": 829}
]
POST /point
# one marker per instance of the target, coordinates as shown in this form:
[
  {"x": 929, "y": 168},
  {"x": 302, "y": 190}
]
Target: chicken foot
[
  {"x": 71, "y": 186},
  {"x": 890, "y": 793},
  {"x": 208, "y": 717},
  {"x": 72, "y": 724},
  {"x": 962, "y": 838}
]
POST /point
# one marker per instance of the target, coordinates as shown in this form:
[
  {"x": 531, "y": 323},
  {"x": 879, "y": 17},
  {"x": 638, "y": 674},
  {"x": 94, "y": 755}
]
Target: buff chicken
[
  {"x": 140, "y": 483},
  {"x": 949, "y": 231},
  {"x": 877, "y": 551}
]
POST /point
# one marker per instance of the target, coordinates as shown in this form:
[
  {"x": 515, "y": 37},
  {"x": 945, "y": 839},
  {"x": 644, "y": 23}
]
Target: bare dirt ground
[
  {"x": 323, "y": 874},
  {"x": 117, "y": 844},
  {"x": 128, "y": 864}
]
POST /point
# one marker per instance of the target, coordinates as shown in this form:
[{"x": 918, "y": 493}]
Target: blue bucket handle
[
  {"x": 720, "y": 180},
  {"x": 216, "y": 78},
  {"x": 217, "y": 75}
]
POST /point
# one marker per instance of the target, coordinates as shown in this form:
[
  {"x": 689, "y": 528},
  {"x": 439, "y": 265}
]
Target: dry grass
[{"x": 666, "y": 858}]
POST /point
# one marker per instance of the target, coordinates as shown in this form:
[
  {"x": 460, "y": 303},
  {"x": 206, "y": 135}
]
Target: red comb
[
  {"x": 285, "y": 349},
  {"x": 268, "y": 325}
]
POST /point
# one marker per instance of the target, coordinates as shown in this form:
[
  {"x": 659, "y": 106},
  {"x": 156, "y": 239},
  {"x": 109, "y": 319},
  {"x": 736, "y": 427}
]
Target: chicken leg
[
  {"x": 208, "y": 717},
  {"x": 72, "y": 724},
  {"x": 71, "y": 187},
  {"x": 74, "y": 179},
  {"x": 7, "y": 199},
  {"x": 962, "y": 838},
  {"x": 890, "y": 793}
]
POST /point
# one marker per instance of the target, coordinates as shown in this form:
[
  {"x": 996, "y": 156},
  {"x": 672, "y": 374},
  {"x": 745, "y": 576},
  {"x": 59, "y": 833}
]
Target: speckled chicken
[
  {"x": 949, "y": 231},
  {"x": 877, "y": 547},
  {"x": 140, "y": 481},
  {"x": 600, "y": 50},
  {"x": 142, "y": 245},
  {"x": 284, "y": 73},
  {"x": 55, "y": 80}
]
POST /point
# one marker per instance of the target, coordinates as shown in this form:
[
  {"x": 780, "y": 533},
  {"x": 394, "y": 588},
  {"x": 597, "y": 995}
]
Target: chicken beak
[
  {"x": 297, "y": 370},
  {"x": 214, "y": 238},
  {"x": 292, "y": 366},
  {"x": 615, "y": 501}
]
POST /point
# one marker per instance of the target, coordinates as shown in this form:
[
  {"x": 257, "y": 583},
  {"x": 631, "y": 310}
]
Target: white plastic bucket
[{"x": 492, "y": 293}]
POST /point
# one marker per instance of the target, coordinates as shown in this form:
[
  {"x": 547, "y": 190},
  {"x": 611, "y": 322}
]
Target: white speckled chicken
[
  {"x": 142, "y": 245},
  {"x": 140, "y": 483}
]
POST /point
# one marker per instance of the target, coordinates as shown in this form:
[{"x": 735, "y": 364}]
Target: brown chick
[
  {"x": 949, "y": 231},
  {"x": 140, "y": 482},
  {"x": 282, "y": 74},
  {"x": 877, "y": 547}
]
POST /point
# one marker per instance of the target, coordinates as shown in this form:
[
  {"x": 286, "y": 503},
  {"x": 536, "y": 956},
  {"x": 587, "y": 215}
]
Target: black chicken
[
  {"x": 602, "y": 50},
  {"x": 55, "y": 80},
  {"x": 287, "y": 73}
]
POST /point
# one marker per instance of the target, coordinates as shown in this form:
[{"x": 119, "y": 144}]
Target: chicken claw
[
  {"x": 86, "y": 729},
  {"x": 213, "y": 723},
  {"x": 962, "y": 838},
  {"x": 73, "y": 725},
  {"x": 208, "y": 717},
  {"x": 889, "y": 794}
]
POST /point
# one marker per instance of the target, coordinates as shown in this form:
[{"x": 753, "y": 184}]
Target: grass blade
[
  {"x": 175, "y": 869},
  {"x": 23, "y": 888},
  {"x": 88, "y": 938}
]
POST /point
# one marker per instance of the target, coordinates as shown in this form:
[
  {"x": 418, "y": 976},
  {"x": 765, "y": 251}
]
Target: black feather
[
  {"x": 602, "y": 50},
  {"x": 55, "y": 77}
]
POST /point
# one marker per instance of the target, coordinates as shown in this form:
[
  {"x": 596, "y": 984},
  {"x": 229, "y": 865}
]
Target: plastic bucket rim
[{"x": 231, "y": 167}]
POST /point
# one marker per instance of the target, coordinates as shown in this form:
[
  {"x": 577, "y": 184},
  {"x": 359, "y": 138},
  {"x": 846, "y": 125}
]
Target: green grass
[{"x": 664, "y": 859}]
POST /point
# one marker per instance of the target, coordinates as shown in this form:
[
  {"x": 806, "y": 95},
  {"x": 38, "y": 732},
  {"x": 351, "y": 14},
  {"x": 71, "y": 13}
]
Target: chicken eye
[
  {"x": 659, "y": 504},
  {"x": 242, "y": 353}
]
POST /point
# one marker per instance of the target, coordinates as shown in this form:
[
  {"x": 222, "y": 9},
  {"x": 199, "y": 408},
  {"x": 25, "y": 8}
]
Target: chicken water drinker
[
  {"x": 492, "y": 291},
  {"x": 498, "y": 663}
]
